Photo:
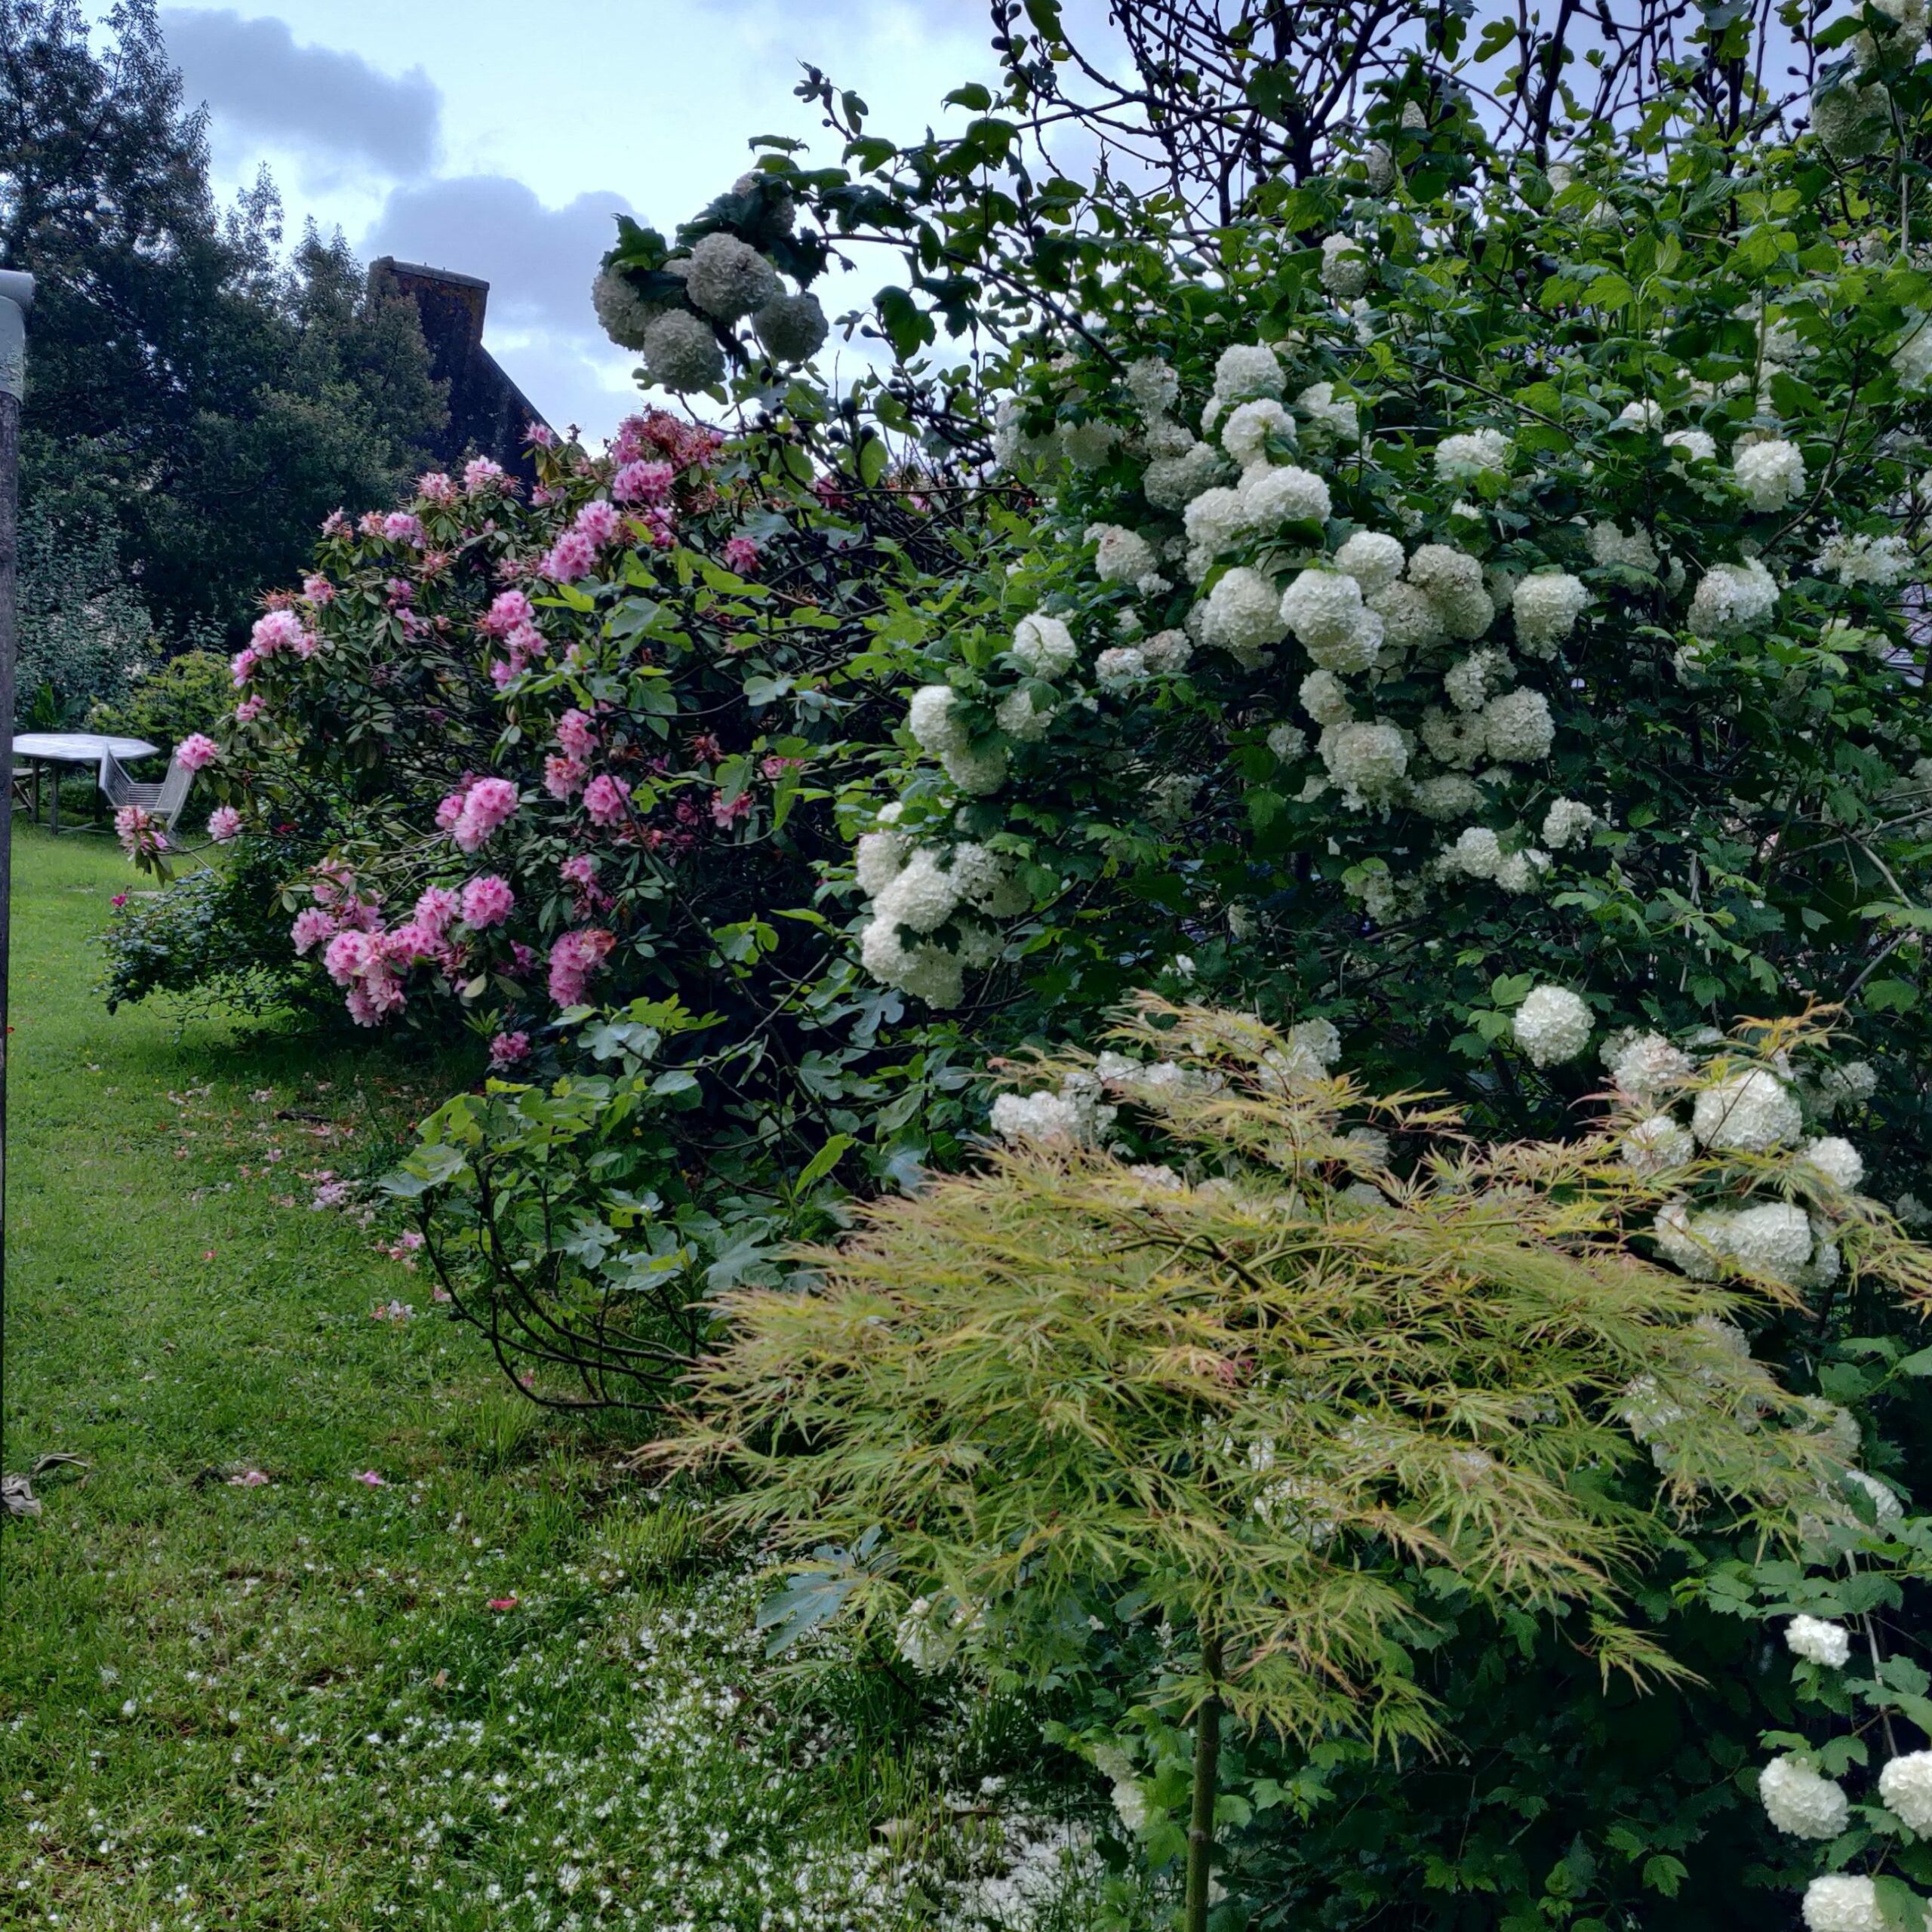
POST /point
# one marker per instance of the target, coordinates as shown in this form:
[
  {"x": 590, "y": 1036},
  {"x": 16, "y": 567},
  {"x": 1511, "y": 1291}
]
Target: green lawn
[{"x": 290, "y": 1704}]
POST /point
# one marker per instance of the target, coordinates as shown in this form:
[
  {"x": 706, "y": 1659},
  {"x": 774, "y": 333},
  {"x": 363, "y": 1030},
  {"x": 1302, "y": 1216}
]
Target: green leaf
[{"x": 827, "y": 1157}]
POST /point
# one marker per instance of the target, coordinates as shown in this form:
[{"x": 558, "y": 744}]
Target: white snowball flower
[
  {"x": 977, "y": 771},
  {"x": 928, "y": 972},
  {"x": 1911, "y": 360},
  {"x": 1553, "y": 1025},
  {"x": 1646, "y": 1063},
  {"x": 1634, "y": 550},
  {"x": 1456, "y": 739},
  {"x": 1905, "y": 1785},
  {"x": 1567, "y": 820},
  {"x": 1732, "y": 599},
  {"x": 1217, "y": 520},
  {"x": 1770, "y": 475},
  {"x": 1880, "y": 562},
  {"x": 1325, "y": 698},
  {"x": 1692, "y": 445},
  {"x": 1647, "y": 415},
  {"x": 1120, "y": 665},
  {"x": 1452, "y": 581},
  {"x": 879, "y": 859},
  {"x": 1838, "y": 1160},
  {"x": 1852, "y": 120},
  {"x": 1173, "y": 482},
  {"x": 682, "y": 354},
  {"x": 1657, "y": 1146},
  {"x": 1409, "y": 620},
  {"x": 1248, "y": 371},
  {"x": 1471, "y": 681},
  {"x": 1087, "y": 445},
  {"x": 1752, "y": 1111},
  {"x": 1447, "y": 796},
  {"x": 1476, "y": 850},
  {"x": 1022, "y": 718},
  {"x": 1044, "y": 644},
  {"x": 1344, "y": 267},
  {"x": 1324, "y": 610},
  {"x": 1311, "y": 1048},
  {"x": 1245, "y": 433},
  {"x": 1167, "y": 651},
  {"x": 1691, "y": 1243},
  {"x": 1120, "y": 556},
  {"x": 1471, "y": 454},
  {"x": 1843, "y": 1903},
  {"x": 932, "y": 717},
  {"x": 792, "y": 328},
  {"x": 1318, "y": 403},
  {"x": 1523, "y": 870},
  {"x": 728, "y": 277},
  {"x": 1368, "y": 761},
  {"x": 1800, "y": 1803},
  {"x": 1774, "y": 1239},
  {"x": 920, "y": 897},
  {"x": 1288, "y": 742},
  {"x": 1818, "y": 1640},
  {"x": 1885, "y": 1505},
  {"x": 1153, "y": 385},
  {"x": 1243, "y": 613},
  {"x": 1374, "y": 561},
  {"x": 1518, "y": 728},
  {"x": 989, "y": 882},
  {"x": 1045, "y": 1117},
  {"x": 1546, "y": 608},
  {"x": 1270, "y": 497},
  {"x": 623, "y": 314}
]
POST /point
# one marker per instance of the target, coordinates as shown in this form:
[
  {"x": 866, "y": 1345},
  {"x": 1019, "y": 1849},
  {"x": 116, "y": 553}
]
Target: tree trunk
[{"x": 1207, "y": 1769}]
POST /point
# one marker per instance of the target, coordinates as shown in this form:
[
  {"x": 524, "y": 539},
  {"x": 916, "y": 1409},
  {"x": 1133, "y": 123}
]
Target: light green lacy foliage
[{"x": 1259, "y": 1390}]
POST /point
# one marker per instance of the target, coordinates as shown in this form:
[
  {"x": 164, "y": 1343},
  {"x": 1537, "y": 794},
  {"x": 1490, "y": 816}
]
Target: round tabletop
[{"x": 79, "y": 747}]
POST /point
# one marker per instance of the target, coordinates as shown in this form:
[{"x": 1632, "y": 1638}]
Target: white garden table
[{"x": 93, "y": 748}]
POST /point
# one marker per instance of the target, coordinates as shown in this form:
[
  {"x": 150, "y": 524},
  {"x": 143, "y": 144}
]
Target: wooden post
[{"x": 15, "y": 298}]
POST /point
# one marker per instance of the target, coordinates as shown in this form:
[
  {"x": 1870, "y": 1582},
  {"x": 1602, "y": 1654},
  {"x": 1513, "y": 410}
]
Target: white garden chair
[{"x": 163, "y": 802}]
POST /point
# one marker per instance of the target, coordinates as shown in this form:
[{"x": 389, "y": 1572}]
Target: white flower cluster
[
  {"x": 681, "y": 353},
  {"x": 1880, "y": 561},
  {"x": 1801, "y": 1802},
  {"x": 917, "y": 890},
  {"x": 1344, "y": 267},
  {"x": 1905, "y": 1785},
  {"x": 1751, "y": 1112},
  {"x": 1553, "y": 1025},
  {"x": 1459, "y": 457},
  {"x": 1841, "y": 1903},
  {"x": 1732, "y": 599},
  {"x": 1818, "y": 1640},
  {"x": 1074, "y": 1117},
  {"x": 1632, "y": 548},
  {"x": 1644, "y": 1066},
  {"x": 1546, "y": 608},
  {"x": 1769, "y": 475}
]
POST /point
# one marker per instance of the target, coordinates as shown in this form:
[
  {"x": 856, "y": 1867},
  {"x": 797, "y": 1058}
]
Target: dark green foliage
[{"x": 191, "y": 693}]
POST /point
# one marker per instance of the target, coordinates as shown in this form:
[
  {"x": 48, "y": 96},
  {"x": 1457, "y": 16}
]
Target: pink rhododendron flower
[
  {"x": 486, "y": 901},
  {"x": 273, "y": 631},
  {"x": 435, "y": 487},
  {"x": 776, "y": 768},
  {"x": 319, "y": 590},
  {"x": 572, "y": 556},
  {"x": 403, "y": 527},
  {"x": 599, "y": 521},
  {"x": 725, "y": 812},
  {"x": 607, "y": 799},
  {"x": 408, "y": 944},
  {"x": 312, "y": 925},
  {"x": 580, "y": 869},
  {"x": 522, "y": 958},
  {"x": 249, "y": 709},
  {"x": 362, "y": 915},
  {"x": 480, "y": 473},
  {"x": 576, "y": 733},
  {"x": 307, "y": 645},
  {"x": 449, "y": 811},
  {"x": 643, "y": 483},
  {"x": 119, "y": 899},
  {"x": 335, "y": 524},
  {"x": 563, "y": 777},
  {"x": 137, "y": 831},
  {"x": 489, "y": 804},
  {"x": 242, "y": 665},
  {"x": 524, "y": 643},
  {"x": 349, "y": 956},
  {"x": 508, "y": 609},
  {"x": 573, "y": 959},
  {"x": 197, "y": 750},
  {"x": 540, "y": 435},
  {"x": 224, "y": 823},
  {"x": 502, "y": 675},
  {"x": 660, "y": 526},
  {"x": 436, "y": 907},
  {"x": 740, "y": 555},
  {"x": 509, "y": 1050}
]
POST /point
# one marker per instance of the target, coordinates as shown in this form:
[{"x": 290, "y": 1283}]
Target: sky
[{"x": 500, "y": 138}]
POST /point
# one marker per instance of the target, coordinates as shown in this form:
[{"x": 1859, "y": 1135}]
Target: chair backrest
[
  {"x": 116, "y": 786},
  {"x": 174, "y": 794}
]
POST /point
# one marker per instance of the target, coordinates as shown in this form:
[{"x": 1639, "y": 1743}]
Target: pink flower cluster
[
  {"x": 642, "y": 482},
  {"x": 404, "y": 526},
  {"x": 140, "y": 836},
  {"x": 684, "y": 445},
  {"x": 607, "y": 799},
  {"x": 486, "y": 901},
  {"x": 564, "y": 777},
  {"x": 224, "y": 824},
  {"x": 598, "y": 525},
  {"x": 576, "y": 733},
  {"x": 470, "y": 816},
  {"x": 740, "y": 554},
  {"x": 434, "y": 487},
  {"x": 574, "y": 957},
  {"x": 366, "y": 964},
  {"x": 508, "y": 1050},
  {"x": 197, "y": 750},
  {"x": 481, "y": 473},
  {"x": 726, "y": 813}
]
